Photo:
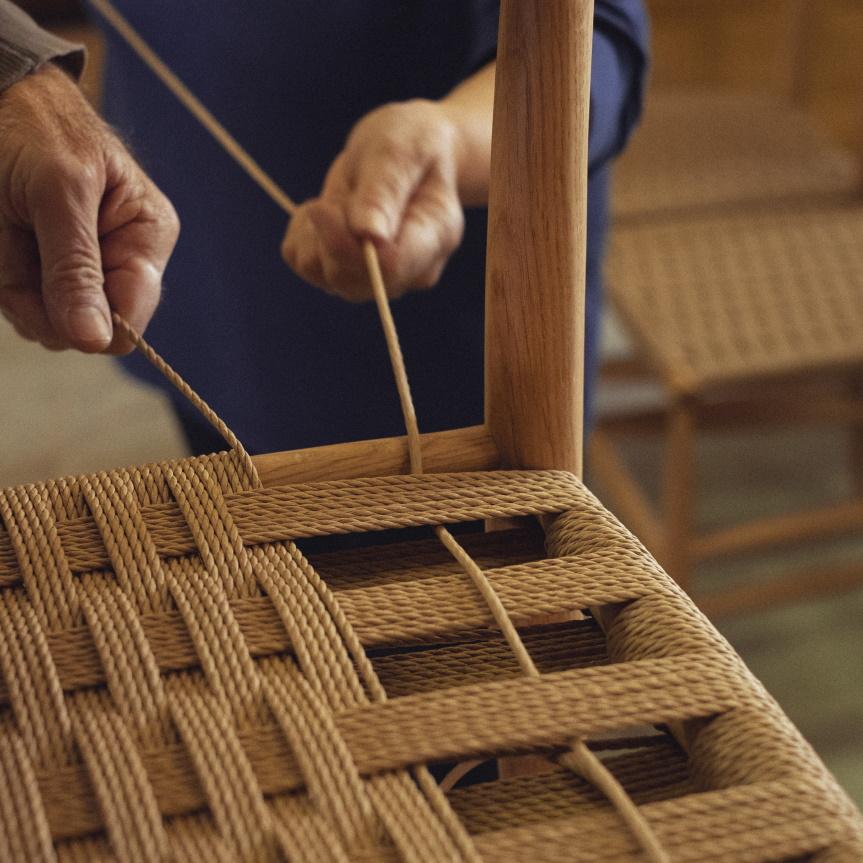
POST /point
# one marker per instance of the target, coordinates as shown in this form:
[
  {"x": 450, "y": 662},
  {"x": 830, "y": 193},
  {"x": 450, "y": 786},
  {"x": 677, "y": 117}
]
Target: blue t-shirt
[{"x": 283, "y": 363}]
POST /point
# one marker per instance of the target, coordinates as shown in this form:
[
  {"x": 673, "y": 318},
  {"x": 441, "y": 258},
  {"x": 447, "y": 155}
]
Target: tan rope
[
  {"x": 582, "y": 760},
  {"x": 222, "y": 765},
  {"x": 133, "y": 820},
  {"x": 396, "y": 359},
  {"x": 203, "y": 408},
  {"x": 26, "y": 831},
  {"x": 750, "y": 788}
]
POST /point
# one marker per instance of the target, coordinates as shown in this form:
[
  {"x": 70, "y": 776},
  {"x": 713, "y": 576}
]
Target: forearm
[
  {"x": 469, "y": 107},
  {"x": 24, "y": 47}
]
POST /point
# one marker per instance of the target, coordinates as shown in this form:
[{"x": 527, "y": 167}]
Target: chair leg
[{"x": 678, "y": 499}]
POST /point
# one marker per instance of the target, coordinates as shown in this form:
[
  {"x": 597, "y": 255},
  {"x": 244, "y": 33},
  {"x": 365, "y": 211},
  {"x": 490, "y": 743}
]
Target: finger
[
  {"x": 342, "y": 260},
  {"x": 300, "y": 248},
  {"x": 20, "y": 287},
  {"x": 138, "y": 231},
  {"x": 336, "y": 186},
  {"x": 383, "y": 178},
  {"x": 432, "y": 229},
  {"x": 133, "y": 291},
  {"x": 321, "y": 250},
  {"x": 65, "y": 211},
  {"x": 24, "y": 310}
]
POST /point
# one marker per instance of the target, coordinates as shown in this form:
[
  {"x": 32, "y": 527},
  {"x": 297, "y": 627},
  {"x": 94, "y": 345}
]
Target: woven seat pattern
[
  {"x": 708, "y": 149},
  {"x": 733, "y": 298},
  {"x": 179, "y": 682}
]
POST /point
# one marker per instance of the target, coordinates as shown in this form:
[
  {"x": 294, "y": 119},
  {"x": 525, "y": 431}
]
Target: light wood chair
[{"x": 737, "y": 269}]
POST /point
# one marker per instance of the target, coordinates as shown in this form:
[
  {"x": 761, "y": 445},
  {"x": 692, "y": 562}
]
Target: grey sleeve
[{"x": 24, "y": 46}]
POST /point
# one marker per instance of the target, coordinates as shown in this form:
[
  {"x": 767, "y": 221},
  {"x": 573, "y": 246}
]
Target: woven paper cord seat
[
  {"x": 711, "y": 150},
  {"x": 179, "y": 681},
  {"x": 726, "y": 299}
]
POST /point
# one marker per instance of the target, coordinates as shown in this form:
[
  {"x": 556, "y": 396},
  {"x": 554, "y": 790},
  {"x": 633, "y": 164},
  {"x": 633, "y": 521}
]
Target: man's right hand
[{"x": 83, "y": 231}]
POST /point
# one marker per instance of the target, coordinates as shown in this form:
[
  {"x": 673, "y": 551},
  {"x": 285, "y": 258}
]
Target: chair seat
[
  {"x": 180, "y": 682},
  {"x": 706, "y": 149},
  {"x": 731, "y": 298}
]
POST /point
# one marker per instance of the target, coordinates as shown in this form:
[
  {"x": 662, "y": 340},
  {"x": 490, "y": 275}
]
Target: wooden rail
[{"x": 457, "y": 450}]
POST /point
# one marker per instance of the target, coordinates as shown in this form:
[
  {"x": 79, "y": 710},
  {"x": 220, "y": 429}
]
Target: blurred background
[{"x": 754, "y": 123}]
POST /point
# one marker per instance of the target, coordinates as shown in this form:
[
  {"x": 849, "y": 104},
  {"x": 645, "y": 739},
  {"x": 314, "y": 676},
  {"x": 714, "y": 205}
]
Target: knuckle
[
  {"x": 373, "y": 200},
  {"x": 76, "y": 278},
  {"x": 78, "y": 176},
  {"x": 169, "y": 217},
  {"x": 72, "y": 178},
  {"x": 447, "y": 215},
  {"x": 453, "y": 231},
  {"x": 398, "y": 156},
  {"x": 389, "y": 148}
]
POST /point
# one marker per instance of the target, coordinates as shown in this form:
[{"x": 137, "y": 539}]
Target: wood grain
[
  {"x": 537, "y": 234},
  {"x": 456, "y": 450}
]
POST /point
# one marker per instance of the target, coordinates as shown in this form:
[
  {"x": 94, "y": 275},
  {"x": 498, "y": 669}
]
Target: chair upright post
[{"x": 535, "y": 281}]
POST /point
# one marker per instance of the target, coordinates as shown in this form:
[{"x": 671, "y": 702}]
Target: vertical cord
[
  {"x": 396, "y": 359},
  {"x": 580, "y": 759}
]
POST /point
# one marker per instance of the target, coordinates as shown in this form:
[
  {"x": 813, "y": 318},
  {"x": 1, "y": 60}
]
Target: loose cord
[
  {"x": 580, "y": 759},
  {"x": 397, "y": 361},
  {"x": 197, "y": 402}
]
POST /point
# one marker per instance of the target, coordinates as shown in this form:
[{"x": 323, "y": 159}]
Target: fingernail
[{"x": 88, "y": 324}]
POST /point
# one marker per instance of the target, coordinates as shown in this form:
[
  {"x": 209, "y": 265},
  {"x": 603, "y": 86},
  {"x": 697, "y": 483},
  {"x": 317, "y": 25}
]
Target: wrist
[{"x": 471, "y": 125}]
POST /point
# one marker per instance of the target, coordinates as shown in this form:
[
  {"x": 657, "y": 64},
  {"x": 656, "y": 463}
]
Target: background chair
[{"x": 737, "y": 269}]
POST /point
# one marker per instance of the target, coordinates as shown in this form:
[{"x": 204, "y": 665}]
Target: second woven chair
[{"x": 737, "y": 269}]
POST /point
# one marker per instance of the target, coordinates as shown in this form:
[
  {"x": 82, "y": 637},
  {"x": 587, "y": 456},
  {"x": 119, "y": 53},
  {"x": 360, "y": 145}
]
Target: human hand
[
  {"x": 395, "y": 183},
  {"x": 83, "y": 230}
]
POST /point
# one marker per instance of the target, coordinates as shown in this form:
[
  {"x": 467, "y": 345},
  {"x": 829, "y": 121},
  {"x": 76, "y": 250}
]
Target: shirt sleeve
[
  {"x": 24, "y": 46},
  {"x": 620, "y": 63}
]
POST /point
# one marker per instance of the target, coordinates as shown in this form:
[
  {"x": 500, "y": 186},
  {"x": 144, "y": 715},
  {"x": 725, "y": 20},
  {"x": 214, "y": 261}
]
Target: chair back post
[{"x": 535, "y": 278}]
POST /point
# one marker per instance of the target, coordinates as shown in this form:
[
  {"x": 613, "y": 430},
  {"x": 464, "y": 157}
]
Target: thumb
[
  {"x": 66, "y": 226},
  {"x": 383, "y": 183}
]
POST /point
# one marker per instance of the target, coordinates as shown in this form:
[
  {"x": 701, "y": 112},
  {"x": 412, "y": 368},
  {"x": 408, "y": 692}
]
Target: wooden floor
[{"x": 67, "y": 414}]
